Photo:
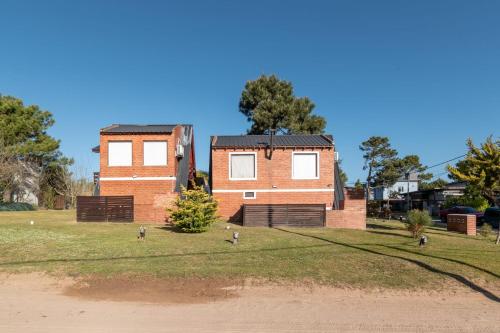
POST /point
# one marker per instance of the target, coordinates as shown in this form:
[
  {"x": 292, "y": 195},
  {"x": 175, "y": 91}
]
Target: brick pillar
[{"x": 463, "y": 223}]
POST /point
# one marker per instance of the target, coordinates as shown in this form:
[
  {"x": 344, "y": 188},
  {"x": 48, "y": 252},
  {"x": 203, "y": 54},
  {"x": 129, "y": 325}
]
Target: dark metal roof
[
  {"x": 278, "y": 141},
  {"x": 120, "y": 128}
]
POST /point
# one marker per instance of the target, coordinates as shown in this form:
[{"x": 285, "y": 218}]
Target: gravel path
[{"x": 37, "y": 303}]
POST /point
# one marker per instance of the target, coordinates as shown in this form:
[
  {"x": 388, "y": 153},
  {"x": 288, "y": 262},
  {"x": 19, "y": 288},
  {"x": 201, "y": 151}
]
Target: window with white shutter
[
  {"x": 155, "y": 153},
  {"x": 242, "y": 166},
  {"x": 119, "y": 153},
  {"x": 305, "y": 165}
]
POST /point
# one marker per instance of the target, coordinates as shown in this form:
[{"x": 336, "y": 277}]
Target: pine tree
[
  {"x": 270, "y": 103},
  {"x": 481, "y": 169}
]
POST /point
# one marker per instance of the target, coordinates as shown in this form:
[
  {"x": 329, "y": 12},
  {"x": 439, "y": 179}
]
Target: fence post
[
  {"x": 324, "y": 215},
  {"x": 106, "y": 208},
  {"x": 244, "y": 213}
]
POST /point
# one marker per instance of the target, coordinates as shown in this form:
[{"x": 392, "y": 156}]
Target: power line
[
  {"x": 430, "y": 167},
  {"x": 435, "y": 177},
  {"x": 435, "y": 165}
]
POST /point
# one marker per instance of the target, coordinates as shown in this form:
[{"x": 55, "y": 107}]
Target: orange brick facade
[
  {"x": 463, "y": 223},
  {"x": 274, "y": 183},
  {"x": 152, "y": 196},
  {"x": 353, "y": 216},
  {"x": 138, "y": 167}
]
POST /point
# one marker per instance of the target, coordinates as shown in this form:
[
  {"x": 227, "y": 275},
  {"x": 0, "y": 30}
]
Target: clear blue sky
[{"x": 424, "y": 73}]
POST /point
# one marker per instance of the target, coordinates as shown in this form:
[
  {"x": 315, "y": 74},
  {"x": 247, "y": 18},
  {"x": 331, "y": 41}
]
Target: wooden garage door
[{"x": 292, "y": 215}]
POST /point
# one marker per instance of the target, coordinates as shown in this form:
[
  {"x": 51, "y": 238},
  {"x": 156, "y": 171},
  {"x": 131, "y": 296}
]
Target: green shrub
[
  {"x": 486, "y": 230},
  {"x": 478, "y": 203},
  {"x": 49, "y": 199},
  {"x": 373, "y": 208},
  {"x": 15, "y": 206},
  {"x": 417, "y": 221},
  {"x": 471, "y": 198},
  {"x": 195, "y": 210}
]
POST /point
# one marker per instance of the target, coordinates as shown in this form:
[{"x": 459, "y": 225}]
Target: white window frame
[
  {"x": 131, "y": 153},
  {"x": 243, "y": 153},
  {"x": 317, "y": 164},
  {"x": 144, "y": 155},
  {"x": 254, "y": 195}
]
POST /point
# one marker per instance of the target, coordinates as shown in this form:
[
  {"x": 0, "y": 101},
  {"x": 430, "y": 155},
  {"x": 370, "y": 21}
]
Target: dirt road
[{"x": 37, "y": 303}]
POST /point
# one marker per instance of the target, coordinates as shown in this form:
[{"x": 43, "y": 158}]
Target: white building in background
[{"x": 402, "y": 186}]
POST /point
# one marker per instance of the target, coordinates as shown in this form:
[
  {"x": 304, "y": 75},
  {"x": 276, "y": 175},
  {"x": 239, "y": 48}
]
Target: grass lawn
[{"x": 383, "y": 256}]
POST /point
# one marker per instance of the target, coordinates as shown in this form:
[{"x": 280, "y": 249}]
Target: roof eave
[{"x": 267, "y": 146}]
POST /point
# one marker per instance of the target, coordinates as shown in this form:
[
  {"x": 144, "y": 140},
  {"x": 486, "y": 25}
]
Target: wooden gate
[
  {"x": 290, "y": 215},
  {"x": 105, "y": 209}
]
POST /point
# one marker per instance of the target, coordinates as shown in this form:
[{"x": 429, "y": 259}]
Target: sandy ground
[{"x": 38, "y": 303}]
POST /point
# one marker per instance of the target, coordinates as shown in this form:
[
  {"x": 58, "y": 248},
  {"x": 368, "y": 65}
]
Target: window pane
[
  {"x": 243, "y": 166},
  {"x": 120, "y": 153},
  {"x": 305, "y": 166},
  {"x": 155, "y": 153}
]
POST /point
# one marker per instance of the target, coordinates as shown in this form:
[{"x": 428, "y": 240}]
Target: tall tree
[
  {"x": 376, "y": 151},
  {"x": 270, "y": 103},
  {"x": 395, "y": 168},
  {"x": 24, "y": 129},
  {"x": 342, "y": 174},
  {"x": 358, "y": 185},
  {"x": 25, "y": 146},
  {"x": 480, "y": 168},
  {"x": 438, "y": 183}
]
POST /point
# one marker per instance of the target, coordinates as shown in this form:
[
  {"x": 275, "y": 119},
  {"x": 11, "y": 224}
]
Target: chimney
[{"x": 272, "y": 132}]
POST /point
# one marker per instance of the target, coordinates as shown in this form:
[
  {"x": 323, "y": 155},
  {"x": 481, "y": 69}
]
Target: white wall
[{"x": 383, "y": 193}]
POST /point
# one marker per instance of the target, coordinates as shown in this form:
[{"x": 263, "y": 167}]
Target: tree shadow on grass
[
  {"x": 428, "y": 267},
  {"x": 442, "y": 258},
  {"x": 383, "y": 227},
  {"x": 453, "y": 234},
  {"x": 170, "y": 228},
  {"x": 387, "y": 233}
]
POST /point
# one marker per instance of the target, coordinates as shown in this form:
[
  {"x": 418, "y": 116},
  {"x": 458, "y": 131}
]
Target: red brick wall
[
  {"x": 272, "y": 175},
  {"x": 151, "y": 197},
  {"x": 138, "y": 168},
  {"x": 353, "y": 216},
  {"x": 463, "y": 223},
  {"x": 230, "y": 203}
]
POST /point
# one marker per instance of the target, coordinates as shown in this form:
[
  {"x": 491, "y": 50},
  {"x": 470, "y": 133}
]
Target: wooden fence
[
  {"x": 291, "y": 215},
  {"x": 105, "y": 209},
  {"x": 59, "y": 202}
]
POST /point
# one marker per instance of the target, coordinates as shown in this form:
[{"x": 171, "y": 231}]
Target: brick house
[
  {"x": 256, "y": 171},
  {"x": 149, "y": 162}
]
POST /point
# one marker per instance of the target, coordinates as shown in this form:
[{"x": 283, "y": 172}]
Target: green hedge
[{"x": 15, "y": 206}]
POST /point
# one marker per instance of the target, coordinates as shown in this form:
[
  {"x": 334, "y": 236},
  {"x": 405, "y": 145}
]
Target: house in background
[
  {"x": 401, "y": 186},
  {"x": 148, "y": 162},
  {"x": 281, "y": 180},
  {"x": 433, "y": 200}
]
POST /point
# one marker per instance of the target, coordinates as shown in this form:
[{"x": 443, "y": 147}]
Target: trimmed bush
[
  {"x": 195, "y": 210},
  {"x": 417, "y": 221},
  {"x": 15, "y": 206}
]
